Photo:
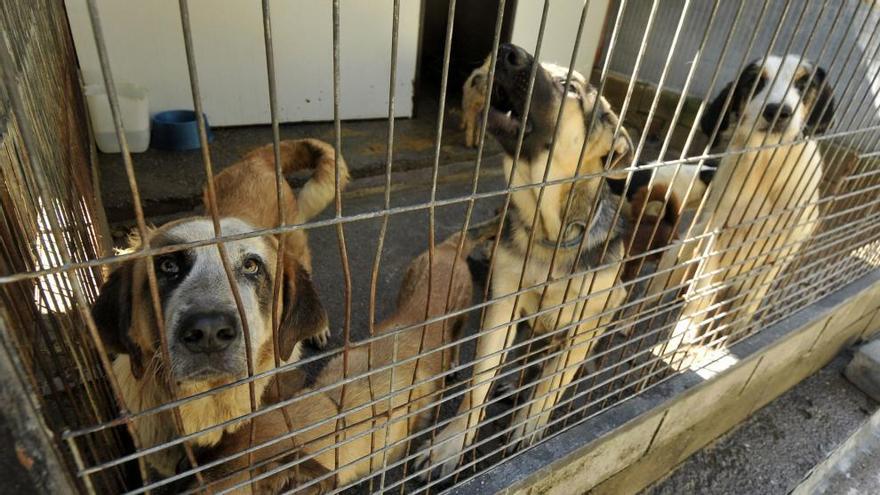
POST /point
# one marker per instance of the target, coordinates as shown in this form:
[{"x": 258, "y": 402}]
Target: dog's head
[
  {"x": 791, "y": 96},
  {"x": 579, "y": 101},
  {"x": 201, "y": 321}
]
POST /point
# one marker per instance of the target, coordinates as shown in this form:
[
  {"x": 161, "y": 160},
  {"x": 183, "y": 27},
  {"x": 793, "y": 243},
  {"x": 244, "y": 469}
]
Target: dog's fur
[
  {"x": 192, "y": 284},
  {"x": 579, "y": 101},
  {"x": 473, "y": 101},
  {"x": 357, "y": 453},
  {"x": 761, "y": 207},
  {"x": 656, "y": 198}
]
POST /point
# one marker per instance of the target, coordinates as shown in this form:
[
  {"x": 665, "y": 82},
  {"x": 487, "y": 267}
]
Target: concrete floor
[
  {"x": 171, "y": 181},
  {"x": 772, "y": 451}
]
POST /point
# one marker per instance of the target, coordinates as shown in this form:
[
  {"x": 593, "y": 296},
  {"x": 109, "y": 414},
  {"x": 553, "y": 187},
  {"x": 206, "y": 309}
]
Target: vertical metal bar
[
  {"x": 340, "y": 234},
  {"x": 212, "y": 203},
  {"x": 438, "y": 138},
  {"x": 496, "y": 39},
  {"x": 374, "y": 274},
  {"x": 282, "y": 239},
  {"x": 21, "y": 411},
  {"x": 603, "y": 78},
  {"x": 438, "y": 141},
  {"x": 513, "y": 167},
  {"x": 666, "y": 141}
]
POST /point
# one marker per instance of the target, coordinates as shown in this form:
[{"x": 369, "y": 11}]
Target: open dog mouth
[{"x": 505, "y": 117}]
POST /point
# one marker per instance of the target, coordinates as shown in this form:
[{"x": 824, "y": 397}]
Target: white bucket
[{"x": 135, "y": 108}]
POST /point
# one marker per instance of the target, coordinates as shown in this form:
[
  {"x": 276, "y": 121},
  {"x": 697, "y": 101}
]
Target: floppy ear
[
  {"x": 112, "y": 315},
  {"x": 303, "y": 315},
  {"x": 713, "y": 116},
  {"x": 822, "y": 113}
]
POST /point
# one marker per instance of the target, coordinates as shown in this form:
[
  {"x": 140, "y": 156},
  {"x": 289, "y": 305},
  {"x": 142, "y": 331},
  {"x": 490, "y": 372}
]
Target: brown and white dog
[
  {"x": 585, "y": 315},
  {"x": 762, "y": 205},
  {"x": 473, "y": 101},
  {"x": 200, "y": 319},
  {"x": 334, "y": 452}
]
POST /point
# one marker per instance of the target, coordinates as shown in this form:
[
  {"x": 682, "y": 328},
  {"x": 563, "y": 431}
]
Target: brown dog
[
  {"x": 654, "y": 220},
  {"x": 337, "y": 451},
  {"x": 200, "y": 318}
]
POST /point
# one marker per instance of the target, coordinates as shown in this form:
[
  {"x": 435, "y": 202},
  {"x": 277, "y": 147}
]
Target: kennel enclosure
[{"x": 659, "y": 64}]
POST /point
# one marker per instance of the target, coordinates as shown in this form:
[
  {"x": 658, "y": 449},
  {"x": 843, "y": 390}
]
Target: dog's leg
[
  {"x": 470, "y": 122},
  {"x": 448, "y": 446},
  {"x": 698, "y": 298},
  {"x": 753, "y": 283},
  {"x": 575, "y": 346}
]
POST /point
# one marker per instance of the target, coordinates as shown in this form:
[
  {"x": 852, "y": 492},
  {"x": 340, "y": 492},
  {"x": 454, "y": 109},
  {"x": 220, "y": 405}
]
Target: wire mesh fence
[{"x": 715, "y": 173}]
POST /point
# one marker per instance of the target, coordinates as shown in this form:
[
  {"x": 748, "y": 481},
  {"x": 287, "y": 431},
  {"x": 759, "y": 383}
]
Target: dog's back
[{"x": 418, "y": 357}]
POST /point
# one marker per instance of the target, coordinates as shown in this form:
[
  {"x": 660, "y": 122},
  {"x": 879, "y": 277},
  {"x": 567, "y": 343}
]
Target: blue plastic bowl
[{"x": 177, "y": 130}]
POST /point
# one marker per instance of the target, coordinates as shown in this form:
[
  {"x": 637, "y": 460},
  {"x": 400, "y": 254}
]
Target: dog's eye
[
  {"x": 251, "y": 266},
  {"x": 169, "y": 266},
  {"x": 569, "y": 89},
  {"x": 801, "y": 82}
]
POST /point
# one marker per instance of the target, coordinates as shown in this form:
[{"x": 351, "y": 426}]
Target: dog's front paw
[
  {"x": 528, "y": 431},
  {"x": 320, "y": 339},
  {"x": 443, "y": 452}
]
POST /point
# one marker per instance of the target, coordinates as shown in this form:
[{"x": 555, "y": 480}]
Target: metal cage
[{"x": 659, "y": 65}]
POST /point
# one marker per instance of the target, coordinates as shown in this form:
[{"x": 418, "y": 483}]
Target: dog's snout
[
  {"x": 512, "y": 57},
  {"x": 209, "y": 332},
  {"x": 772, "y": 109}
]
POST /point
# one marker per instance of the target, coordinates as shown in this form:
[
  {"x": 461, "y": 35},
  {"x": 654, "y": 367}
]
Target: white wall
[
  {"x": 145, "y": 44},
  {"x": 560, "y": 32}
]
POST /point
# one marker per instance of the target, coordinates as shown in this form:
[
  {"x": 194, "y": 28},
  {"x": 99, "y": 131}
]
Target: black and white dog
[{"x": 761, "y": 206}]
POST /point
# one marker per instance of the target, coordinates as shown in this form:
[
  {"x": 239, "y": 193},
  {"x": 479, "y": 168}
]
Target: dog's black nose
[
  {"x": 512, "y": 57},
  {"x": 208, "y": 332},
  {"x": 771, "y": 109}
]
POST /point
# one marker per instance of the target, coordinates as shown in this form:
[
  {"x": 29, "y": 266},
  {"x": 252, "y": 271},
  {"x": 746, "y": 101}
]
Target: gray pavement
[{"x": 772, "y": 451}]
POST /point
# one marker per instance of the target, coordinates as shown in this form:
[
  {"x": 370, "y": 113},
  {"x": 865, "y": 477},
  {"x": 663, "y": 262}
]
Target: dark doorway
[{"x": 471, "y": 39}]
